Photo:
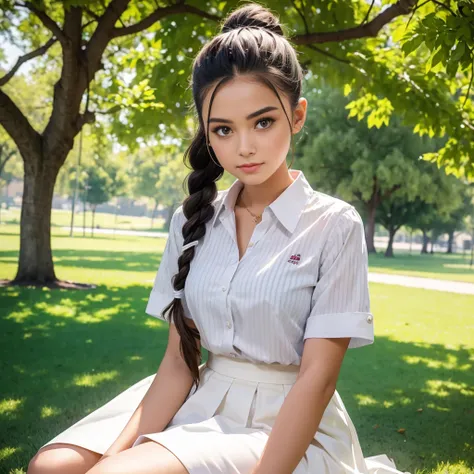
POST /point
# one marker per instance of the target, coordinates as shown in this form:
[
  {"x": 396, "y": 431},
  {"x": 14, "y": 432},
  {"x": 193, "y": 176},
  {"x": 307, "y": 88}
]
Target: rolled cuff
[
  {"x": 158, "y": 301},
  {"x": 359, "y": 326}
]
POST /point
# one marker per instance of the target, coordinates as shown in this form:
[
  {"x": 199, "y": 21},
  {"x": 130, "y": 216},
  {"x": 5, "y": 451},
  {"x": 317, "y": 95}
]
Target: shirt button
[
  {"x": 224, "y": 288},
  {"x": 370, "y": 318},
  {"x": 229, "y": 324},
  {"x": 250, "y": 244}
]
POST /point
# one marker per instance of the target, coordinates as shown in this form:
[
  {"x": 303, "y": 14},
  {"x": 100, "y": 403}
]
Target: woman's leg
[
  {"x": 145, "y": 458},
  {"x": 60, "y": 458}
]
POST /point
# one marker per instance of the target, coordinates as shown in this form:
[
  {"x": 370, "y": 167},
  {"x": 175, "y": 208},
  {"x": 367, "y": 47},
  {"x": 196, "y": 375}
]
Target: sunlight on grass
[
  {"x": 135, "y": 358},
  {"x": 10, "y": 405},
  {"x": 97, "y": 298},
  {"x": 7, "y": 451},
  {"x": 451, "y": 363},
  {"x": 48, "y": 411},
  {"x": 99, "y": 316},
  {"x": 58, "y": 310},
  {"x": 450, "y": 468},
  {"x": 154, "y": 323},
  {"x": 19, "y": 316},
  {"x": 443, "y": 388},
  {"x": 92, "y": 380},
  {"x": 366, "y": 399}
]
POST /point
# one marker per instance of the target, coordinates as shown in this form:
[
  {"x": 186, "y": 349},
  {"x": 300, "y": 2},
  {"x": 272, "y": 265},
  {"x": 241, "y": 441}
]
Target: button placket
[{"x": 228, "y": 333}]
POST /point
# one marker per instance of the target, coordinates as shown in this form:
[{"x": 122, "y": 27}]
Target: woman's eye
[
  {"x": 216, "y": 130},
  {"x": 266, "y": 120}
]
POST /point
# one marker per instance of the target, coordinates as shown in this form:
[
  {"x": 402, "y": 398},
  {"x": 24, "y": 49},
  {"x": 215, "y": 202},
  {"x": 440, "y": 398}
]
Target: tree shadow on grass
[
  {"x": 98, "y": 259},
  {"x": 385, "y": 385},
  {"x": 65, "y": 354}
]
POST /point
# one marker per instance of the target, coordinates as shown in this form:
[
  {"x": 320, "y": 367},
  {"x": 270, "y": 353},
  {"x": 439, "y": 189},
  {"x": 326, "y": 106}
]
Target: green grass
[
  {"x": 62, "y": 218},
  {"x": 442, "y": 266},
  {"x": 65, "y": 353}
]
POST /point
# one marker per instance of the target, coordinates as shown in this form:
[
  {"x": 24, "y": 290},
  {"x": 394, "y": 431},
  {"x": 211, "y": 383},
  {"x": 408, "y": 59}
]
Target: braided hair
[{"x": 251, "y": 43}]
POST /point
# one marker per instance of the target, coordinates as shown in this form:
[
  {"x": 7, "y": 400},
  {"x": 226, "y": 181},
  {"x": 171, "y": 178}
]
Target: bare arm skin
[{"x": 167, "y": 393}]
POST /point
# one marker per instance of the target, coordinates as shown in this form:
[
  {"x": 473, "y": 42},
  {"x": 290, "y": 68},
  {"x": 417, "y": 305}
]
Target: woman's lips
[{"x": 250, "y": 169}]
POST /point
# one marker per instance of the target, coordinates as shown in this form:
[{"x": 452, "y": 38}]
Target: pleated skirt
[{"x": 224, "y": 424}]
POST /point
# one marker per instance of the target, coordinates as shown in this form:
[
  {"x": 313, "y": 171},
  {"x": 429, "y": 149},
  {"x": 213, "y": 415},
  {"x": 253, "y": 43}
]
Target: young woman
[{"x": 270, "y": 276}]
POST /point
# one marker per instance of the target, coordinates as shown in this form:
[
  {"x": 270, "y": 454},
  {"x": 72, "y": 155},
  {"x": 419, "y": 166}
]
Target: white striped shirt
[{"x": 304, "y": 274}]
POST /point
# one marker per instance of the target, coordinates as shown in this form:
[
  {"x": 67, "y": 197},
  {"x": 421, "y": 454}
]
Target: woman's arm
[
  {"x": 166, "y": 394},
  {"x": 303, "y": 408}
]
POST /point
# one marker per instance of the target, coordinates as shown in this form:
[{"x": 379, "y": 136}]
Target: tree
[
  {"x": 457, "y": 218},
  {"x": 97, "y": 43},
  {"x": 147, "y": 164},
  {"x": 10, "y": 165},
  {"x": 361, "y": 165},
  {"x": 431, "y": 208}
]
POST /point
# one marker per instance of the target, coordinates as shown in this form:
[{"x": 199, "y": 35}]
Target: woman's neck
[{"x": 258, "y": 197}]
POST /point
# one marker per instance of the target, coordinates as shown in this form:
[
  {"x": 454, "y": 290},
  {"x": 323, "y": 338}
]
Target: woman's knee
[{"x": 61, "y": 458}]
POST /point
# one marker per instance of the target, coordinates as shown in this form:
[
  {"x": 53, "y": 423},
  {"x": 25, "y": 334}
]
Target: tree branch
[
  {"x": 368, "y": 13},
  {"x": 301, "y": 14},
  {"x": 370, "y": 29},
  {"x": 442, "y": 5},
  {"x": 23, "y": 59},
  {"x": 47, "y": 21},
  {"x": 111, "y": 110},
  {"x": 102, "y": 35},
  {"x": 329, "y": 55},
  {"x": 82, "y": 119},
  {"x": 4, "y": 162},
  {"x": 26, "y": 138},
  {"x": 160, "y": 13}
]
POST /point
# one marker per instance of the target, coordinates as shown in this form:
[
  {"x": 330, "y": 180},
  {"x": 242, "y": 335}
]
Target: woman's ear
[{"x": 299, "y": 115}]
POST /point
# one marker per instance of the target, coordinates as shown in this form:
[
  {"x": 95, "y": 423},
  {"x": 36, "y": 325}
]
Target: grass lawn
[
  {"x": 62, "y": 218},
  {"x": 442, "y": 266},
  {"x": 65, "y": 353}
]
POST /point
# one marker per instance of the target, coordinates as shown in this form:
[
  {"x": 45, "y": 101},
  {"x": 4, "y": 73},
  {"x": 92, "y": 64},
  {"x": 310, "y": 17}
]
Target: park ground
[{"x": 65, "y": 353}]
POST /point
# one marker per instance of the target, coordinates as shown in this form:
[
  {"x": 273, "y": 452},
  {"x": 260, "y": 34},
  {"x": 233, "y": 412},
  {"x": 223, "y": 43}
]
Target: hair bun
[{"x": 252, "y": 15}]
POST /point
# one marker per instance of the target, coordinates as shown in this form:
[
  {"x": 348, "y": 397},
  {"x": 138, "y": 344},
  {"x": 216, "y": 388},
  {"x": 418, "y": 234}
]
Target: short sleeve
[
  {"x": 340, "y": 304},
  {"x": 162, "y": 292}
]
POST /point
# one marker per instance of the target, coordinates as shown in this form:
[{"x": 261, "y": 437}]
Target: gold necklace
[{"x": 256, "y": 217}]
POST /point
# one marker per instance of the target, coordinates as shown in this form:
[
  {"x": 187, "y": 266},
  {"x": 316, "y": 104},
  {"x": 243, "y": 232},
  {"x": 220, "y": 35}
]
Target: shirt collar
[{"x": 287, "y": 207}]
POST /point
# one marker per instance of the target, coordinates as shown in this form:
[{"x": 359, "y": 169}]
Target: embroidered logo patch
[{"x": 295, "y": 259}]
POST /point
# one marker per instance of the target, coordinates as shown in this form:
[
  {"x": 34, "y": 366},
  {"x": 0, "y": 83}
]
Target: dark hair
[{"x": 251, "y": 43}]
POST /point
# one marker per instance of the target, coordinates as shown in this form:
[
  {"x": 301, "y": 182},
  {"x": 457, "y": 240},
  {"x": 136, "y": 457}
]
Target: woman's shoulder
[
  {"x": 178, "y": 215},
  {"x": 327, "y": 207}
]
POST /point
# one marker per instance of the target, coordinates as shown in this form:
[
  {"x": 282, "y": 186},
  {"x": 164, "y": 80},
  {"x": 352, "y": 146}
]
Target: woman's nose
[{"x": 246, "y": 145}]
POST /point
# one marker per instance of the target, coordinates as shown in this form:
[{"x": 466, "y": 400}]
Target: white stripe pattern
[{"x": 303, "y": 275}]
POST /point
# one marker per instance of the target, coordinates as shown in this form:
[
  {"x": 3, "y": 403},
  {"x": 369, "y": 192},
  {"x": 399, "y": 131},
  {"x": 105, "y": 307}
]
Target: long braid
[{"x": 198, "y": 210}]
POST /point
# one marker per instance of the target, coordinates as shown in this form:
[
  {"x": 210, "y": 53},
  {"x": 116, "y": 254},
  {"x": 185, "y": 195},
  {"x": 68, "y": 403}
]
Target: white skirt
[{"x": 224, "y": 424}]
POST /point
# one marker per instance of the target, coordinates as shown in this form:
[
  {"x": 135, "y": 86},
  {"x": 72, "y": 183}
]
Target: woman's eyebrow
[{"x": 250, "y": 116}]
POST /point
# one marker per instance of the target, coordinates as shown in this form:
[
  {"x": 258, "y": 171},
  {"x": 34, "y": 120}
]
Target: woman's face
[{"x": 247, "y": 125}]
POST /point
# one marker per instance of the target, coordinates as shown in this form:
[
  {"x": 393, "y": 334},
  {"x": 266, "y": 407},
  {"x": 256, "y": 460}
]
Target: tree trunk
[
  {"x": 370, "y": 232},
  {"x": 93, "y": 219},
  {"x": 171, "y": 210},
  {"x": 426, "y": 239},
  {"x": 153, "y": 213},
  {"x": 35, "y": 264},
  {"x": 450, "y": 242},
  {"x": 389, "y": 251}
]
